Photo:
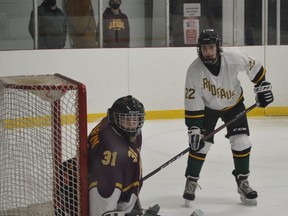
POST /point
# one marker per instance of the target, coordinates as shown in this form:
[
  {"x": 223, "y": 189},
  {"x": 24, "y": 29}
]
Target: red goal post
[{"x": 43, "y": 146}]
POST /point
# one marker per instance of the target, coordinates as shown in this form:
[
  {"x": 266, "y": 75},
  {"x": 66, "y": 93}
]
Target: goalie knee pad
[{"x": 240, "y": 142}]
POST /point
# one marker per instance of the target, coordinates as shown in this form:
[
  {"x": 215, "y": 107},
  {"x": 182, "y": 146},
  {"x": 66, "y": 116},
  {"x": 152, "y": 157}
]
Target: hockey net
[{"x": 43, "y": 130}]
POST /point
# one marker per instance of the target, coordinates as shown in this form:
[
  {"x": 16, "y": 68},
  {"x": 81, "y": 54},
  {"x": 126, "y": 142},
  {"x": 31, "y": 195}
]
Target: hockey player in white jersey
[{"x": 213, "y": 91}]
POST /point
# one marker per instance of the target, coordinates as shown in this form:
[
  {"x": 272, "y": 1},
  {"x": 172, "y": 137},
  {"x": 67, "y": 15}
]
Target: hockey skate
[
  {"x": 190, "y": 188},
  {"x": 248, "y": 196}
]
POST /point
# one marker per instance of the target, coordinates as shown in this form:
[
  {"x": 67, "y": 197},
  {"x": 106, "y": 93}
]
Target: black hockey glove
[
  {"x": 264, "y": 95},
  {"x": 152, "y": 210},
  {"x": 195, "y": 136}
]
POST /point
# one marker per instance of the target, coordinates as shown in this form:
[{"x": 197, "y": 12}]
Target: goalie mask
[
  {"x": 127, "y": 116},
  {"x": 209, "y": 36}
]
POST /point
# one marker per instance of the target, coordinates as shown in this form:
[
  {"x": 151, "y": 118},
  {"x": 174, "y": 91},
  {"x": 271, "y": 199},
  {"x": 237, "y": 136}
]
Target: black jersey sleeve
[
  {"x": 260, "y": 76},
  {"x": 194, "y": 118}
]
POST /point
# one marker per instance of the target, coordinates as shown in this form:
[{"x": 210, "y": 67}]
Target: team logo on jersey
[
  {"x": 219, "y": 92},
  {"x": 132, "y": 154},
  {"x": 251, "y": 63}
]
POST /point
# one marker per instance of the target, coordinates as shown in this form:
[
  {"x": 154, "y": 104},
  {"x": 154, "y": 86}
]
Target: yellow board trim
[
  {"x": 150, "y": 115},
  {"x": 164, "y": 114},
  {"x": 37, "y": 121},
  {"x": 178, "y": 114}
]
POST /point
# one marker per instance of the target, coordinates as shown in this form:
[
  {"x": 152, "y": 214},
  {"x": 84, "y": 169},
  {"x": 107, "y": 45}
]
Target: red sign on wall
[{"x": 191, "y": 30}]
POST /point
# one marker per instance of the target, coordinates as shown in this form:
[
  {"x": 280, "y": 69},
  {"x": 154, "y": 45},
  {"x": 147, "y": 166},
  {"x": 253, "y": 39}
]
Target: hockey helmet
[
  {"x": 127, "y": 115},
  {"x": 208, "y": 36}
]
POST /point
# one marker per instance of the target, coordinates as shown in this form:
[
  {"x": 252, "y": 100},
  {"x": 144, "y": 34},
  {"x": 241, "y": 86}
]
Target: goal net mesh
[{"x": 39, "y": 146}]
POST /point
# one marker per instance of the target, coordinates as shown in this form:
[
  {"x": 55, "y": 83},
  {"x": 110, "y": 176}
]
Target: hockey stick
[{"x": 204, "y": 139}]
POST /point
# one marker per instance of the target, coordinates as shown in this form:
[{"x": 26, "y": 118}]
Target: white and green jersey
[{"x": 203, "y": 89}]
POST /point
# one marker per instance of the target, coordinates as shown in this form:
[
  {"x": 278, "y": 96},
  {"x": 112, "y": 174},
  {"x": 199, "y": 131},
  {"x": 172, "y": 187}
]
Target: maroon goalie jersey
[{"x": 115, "y": 170}]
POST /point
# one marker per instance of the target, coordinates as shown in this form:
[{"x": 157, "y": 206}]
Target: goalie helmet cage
[{"x": 43, "y": 148}]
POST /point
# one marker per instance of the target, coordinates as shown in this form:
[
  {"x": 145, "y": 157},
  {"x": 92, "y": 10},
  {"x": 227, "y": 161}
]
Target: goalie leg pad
[{"x": 114, "y": 213}]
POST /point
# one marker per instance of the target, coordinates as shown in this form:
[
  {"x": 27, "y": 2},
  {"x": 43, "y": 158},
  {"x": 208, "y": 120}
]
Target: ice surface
[{"x": 163, "y": 139}]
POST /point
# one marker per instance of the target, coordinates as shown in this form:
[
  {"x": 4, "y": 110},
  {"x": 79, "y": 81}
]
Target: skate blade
[
  {"x": 250, "y": 202},
  {"x": 187, "y": 203}
]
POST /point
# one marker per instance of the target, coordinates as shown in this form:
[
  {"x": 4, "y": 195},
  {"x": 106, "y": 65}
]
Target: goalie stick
[{"x": 204, "y": 139}]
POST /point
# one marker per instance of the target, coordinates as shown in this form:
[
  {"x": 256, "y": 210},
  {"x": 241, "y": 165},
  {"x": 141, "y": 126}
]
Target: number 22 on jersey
[{"x": 189, "y": 93}]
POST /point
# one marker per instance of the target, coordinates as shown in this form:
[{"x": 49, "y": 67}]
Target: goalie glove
[
  {"x": 152, "y": 210},
  {"x": 195, "y": 136},
  {"x": 264, "y": 95}
]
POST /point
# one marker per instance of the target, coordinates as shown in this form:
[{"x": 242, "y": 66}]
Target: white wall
[{"x": 155, "y": 76}]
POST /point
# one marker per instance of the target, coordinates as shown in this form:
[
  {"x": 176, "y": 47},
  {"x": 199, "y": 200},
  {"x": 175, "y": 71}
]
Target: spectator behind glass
[
  {"x": 52, "y": 26},
  {"x": 116, "y": 30}
]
